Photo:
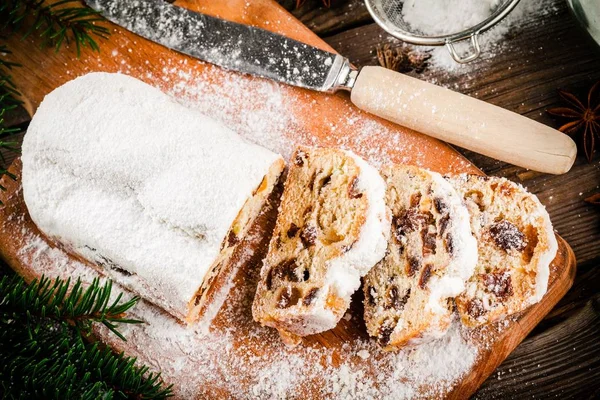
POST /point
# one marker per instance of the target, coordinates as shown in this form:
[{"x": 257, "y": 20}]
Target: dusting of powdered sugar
[
  {"x": 240, "y": 359},
  {"x": 263, "y": 112},
  {"x": 277, "y": 116},
  {"x": 493, "y": 41},
  {"x": 237, "y": 46},
  {"x": 442, "y": 17},
  {"x": 103, "y": 175}
]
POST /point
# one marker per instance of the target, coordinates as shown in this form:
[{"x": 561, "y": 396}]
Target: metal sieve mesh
[
  {"x": 388, "y": 15},
  {"x": 393, "y": 10}
]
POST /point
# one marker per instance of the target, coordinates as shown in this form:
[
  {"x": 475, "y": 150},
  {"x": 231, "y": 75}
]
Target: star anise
[
  {"x": 402, "y": 59},
  {"x": 584, "y": 118}
]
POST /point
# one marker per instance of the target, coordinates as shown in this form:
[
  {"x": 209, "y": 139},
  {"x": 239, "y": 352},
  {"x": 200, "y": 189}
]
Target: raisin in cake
[
  {"x": 331, "y": 230},
  {"x": 516, "y": 245},
  {"x": 154, "y": 195},
  {"x": 431, "y": 254}
]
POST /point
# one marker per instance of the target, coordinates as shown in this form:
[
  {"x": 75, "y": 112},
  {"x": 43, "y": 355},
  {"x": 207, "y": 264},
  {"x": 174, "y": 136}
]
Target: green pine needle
[
  {"x": 55, "y": 23},
  {"x": 60, "y": 301},
  {"x": 8, "y": 101},
  {"x": 42, "y": 351},
  {"x": 8, "y": 91}
]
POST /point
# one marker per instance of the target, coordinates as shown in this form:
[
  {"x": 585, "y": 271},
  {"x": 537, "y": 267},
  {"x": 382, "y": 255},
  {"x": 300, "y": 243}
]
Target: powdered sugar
[
  {"x": 494, "y": 40},
  {"x": 280, "y": 118},
  {"x": 103, "y": 175},
  {"x": 240, "y": 359},
  {"x": 442, "y": 17}
]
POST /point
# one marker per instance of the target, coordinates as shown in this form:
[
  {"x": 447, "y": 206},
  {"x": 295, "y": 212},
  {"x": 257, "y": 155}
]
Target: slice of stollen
[
  {"x": 431, "y": 254},
  {"x": 516, "y": 244},
  {"x": 331, "y": 230},
  {"x": 152, "y": 194}
]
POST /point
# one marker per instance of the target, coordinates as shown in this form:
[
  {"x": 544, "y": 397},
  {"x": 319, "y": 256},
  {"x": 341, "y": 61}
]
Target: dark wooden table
[{"x": 561, "y": 357}]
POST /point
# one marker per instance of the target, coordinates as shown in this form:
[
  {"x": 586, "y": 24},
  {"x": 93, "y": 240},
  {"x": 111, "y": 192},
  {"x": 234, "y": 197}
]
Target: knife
[{"x": 439, "y": 112}]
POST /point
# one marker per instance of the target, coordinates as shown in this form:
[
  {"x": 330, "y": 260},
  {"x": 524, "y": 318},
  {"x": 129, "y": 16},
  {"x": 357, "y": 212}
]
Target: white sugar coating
[
  {"x": 364, "y": 354},
  {"x": 493, "y": 41},
  {"x": 464, "y": 259},
  {"x": 441, "y": 17},
  {"x": 344, "y": 272},
  {"x": 221, "y": 360},
  {"x": 543, "y": 272},
  {"x": 126, "y": 177},
  {"x": 264, "y": 112}
]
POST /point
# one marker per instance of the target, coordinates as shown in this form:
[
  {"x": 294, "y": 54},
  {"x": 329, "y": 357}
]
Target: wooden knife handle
[{"x": 463, "y": 120}]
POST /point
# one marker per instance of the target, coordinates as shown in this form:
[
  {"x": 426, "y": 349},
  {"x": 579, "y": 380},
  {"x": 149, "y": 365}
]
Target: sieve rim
[{"x": 441, "y": 40}]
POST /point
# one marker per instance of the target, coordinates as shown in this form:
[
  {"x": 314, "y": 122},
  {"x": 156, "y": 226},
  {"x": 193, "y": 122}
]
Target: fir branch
[
  {"x": 43, "y": 355},
  {"x": 55, "y": 23},
  {"x": 62, "y": 303},
  {"x": 55, "y": 364},
  {"x": 8, "y": 91},
  {"x": 8, "y": 101}
]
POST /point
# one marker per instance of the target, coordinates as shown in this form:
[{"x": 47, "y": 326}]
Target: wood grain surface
[
  {"x": 344, "y": 22},
  {"x": 545, "y": 53},
  {"x": 495, "y": 341}
]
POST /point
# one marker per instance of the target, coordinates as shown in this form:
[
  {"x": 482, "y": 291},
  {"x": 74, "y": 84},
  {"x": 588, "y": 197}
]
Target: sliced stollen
[
  {"x": 516, "y": 244},
  {"x": 332, "y": 228},
  {"x": 152, "y": 194},
  {"x": 431, "y": 254}
]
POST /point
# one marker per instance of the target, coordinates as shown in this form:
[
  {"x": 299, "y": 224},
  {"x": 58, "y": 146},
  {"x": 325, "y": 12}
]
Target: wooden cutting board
[{"x": 310, "y": 118}]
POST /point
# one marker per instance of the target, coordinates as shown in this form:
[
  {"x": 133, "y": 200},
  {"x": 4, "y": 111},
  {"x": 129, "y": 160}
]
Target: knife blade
[
  {"x": 230, "y": 45},
  {"x": 424, "y": 107}
]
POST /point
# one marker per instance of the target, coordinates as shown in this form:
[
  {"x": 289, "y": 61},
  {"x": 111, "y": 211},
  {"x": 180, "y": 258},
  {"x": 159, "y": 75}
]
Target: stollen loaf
[{"x": 156, "y": 196}]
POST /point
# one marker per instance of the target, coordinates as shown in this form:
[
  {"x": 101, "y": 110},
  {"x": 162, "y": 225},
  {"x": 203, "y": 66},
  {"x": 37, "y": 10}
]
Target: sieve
[{"x": 388, "y": 15}]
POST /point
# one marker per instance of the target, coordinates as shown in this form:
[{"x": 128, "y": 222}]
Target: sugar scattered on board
[
  {"x": 222, "y": 361},
  {"x": 364, "y": 354},
  {"x": 263, "y": 112}
]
